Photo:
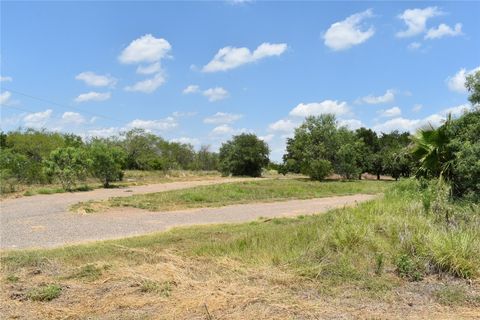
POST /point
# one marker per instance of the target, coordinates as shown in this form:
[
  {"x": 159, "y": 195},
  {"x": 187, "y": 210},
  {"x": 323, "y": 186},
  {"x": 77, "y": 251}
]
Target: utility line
[{"x": 68, "y": 108}]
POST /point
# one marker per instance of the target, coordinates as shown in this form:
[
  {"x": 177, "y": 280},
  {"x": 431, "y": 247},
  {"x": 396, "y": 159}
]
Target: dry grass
[{"x": 200, "y": 287}]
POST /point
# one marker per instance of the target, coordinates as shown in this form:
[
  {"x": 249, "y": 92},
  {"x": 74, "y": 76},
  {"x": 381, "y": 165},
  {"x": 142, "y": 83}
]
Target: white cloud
[
  {"x": 390, "y": 113},
  {"x": 96, "y": 80},
  {"x": 193, "y": 88},
  {"x": 5, "y": 97},
  {"x": 11, "y": 121},
  {"x": 103, "y": 132},
  {"x": 146, "y": 49},
  {"x": 282, "y": 125},
  {"x": 416, "y": 20},
  {"x": 457, "y": 82},
  {"x": 93, "y": 96},
  {"x": 223, "y": 130},
  {"x": 73, "y": 118},
  {"x": 412, "y": 125},
  {"x": 414, "y": 45},
  {"x": 352, "y": 124},
  {"x": 148, "y": 85},
  {"x": 184, "y": 114},
  {"x": 186, "y": 140},
  {"x": 349, "y": 32},
  {"x": 444, "y": 30},
  {"x": 389, "y": 96},
  {"x": 317, "y": 108},
  {"x": 231, "y": 57},
  {"x": 222, "y": 118},
  {"x": 215, "y": 94},
  {"x": 149, "y": 69},
  {"x": 267, "y": 138},
  {"x": 37, "y": 119},
  {"x": 154, "y": 125},
  {"x": 6, "y": 79}
]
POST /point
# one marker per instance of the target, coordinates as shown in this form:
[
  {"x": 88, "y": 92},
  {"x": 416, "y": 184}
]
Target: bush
[
  {"x": 244, "y": 155},
  {"x": 68, "y": 165},
  {"x": 107, "y": 161},
  {"x": 318, "y": 169}
]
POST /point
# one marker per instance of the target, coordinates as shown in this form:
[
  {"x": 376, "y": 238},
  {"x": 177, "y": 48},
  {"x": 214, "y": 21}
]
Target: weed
[
  {"x": 44, "y": 293},
  {"x": 162, "y": 288}
]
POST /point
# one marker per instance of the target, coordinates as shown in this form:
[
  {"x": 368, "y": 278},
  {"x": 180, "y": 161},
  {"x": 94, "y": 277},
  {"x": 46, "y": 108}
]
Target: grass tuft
[{"x": 44, "y": 293}]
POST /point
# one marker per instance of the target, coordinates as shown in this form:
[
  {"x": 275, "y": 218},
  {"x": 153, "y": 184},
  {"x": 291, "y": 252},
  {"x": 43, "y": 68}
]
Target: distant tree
[
  {"x": 244, "y": 155},
  {"x": 68, "y": 165},
  {"x": 205, "y": 159},
  {"x": 318, "y": 169},
  {"x": 141, "y": 149},
  {"x": 472, "y": 84},
  {"x": 347, "y": 161},
  {"x": 107, "y": 162}
]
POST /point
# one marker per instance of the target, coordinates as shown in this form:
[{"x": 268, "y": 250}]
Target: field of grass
[
  {"x": 237, "y": 193},
  {"x": 393, "y": 256},
  {"x": 131, "y": 178}
]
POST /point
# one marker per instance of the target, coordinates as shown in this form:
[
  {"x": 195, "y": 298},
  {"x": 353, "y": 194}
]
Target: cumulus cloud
[
  {"x": 92, "y": 79},
  {"x": 148, "y": 85},
  {"x": 93, "y": 96},
  {"x": 282, "y": 125},
  {"x": 6, "y": 79},
  {"x": 352, "y": 124},
  {"x": 193, "y": 88},
  {"x": 103, "y": 132},
  {"x": 317, "y": 108},
  {"x": 389, "y": 96},
  {"x": 457, "y": 82},
  {"x": 154, "y": 125},
  {"x": 5, "y": 97},
  {"x": 411, "y": 125},
  {"x": 267, "y": 138},
  {"x": 444, "y": 30},
  {"x": 37, "y": 119},
  {"x": 149, "y": 69},
  {"x": 416, "y": 20},
  {"x": 186, "y": 140},
  {"x": 222, "y": 118},
  {"x": 146, "y": 49},
  {"x": 231, "y": 57},
  {"x": 392, "y": 112},
  {"x": 222, "y": 130},
  {"x": 417, "y": 108},
  {"x": 347, "y": 33},
  {"x": 215, "y": 94},
  {"x": 72, "y": 118}
]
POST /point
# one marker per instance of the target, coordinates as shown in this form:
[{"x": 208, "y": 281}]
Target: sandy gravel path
[{"x": 44, "y": 220}]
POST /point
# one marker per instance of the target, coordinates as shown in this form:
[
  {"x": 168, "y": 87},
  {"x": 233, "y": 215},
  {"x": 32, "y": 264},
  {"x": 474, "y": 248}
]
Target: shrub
[
  {"x": 68, "y": 165},
  {"x": 318, "y": 169},
  {"x": 107, "y": 161},
  {"x": 244, "y": 155},
  {"x": 45, "y": 293}
]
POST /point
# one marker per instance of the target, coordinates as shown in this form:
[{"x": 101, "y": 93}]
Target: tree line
[
  {"x": 319, "y": 147},
  {"x": 40, "y": 157}
]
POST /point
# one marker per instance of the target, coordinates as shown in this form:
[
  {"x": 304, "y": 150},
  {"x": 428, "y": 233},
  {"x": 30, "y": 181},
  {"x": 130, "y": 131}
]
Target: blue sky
[{"x": 200, "y": 72}]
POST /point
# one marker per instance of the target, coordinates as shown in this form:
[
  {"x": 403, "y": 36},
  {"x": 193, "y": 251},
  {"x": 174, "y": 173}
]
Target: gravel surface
[{"x": 45, "y": 221}]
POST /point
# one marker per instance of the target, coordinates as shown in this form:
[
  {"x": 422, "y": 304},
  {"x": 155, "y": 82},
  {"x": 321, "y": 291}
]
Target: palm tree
[{"x": 432, "y": 151}]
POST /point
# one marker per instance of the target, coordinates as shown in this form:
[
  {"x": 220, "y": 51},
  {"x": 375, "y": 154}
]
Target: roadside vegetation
[
  {"x": 393, "y": 249},
  {"x": 236, "y": 193}
]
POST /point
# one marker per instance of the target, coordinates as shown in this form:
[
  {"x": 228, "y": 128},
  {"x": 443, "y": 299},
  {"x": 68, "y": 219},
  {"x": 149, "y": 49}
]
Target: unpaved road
[{"x": 44, "y": 220}]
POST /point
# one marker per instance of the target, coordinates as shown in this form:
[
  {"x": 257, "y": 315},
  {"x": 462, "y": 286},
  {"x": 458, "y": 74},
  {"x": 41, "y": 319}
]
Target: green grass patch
[
  {"x": 374, "y": 246},
  {"x": 236, "y": 193},
  {"x": 44, "y": 293}
]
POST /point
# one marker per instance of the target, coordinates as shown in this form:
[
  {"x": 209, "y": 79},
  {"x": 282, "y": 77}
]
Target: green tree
[
  {"x": 347, "y": 161},
  {"x": 472, "y": 84},
  {"x": 244, "y": 155},
  {"x": 107, "y": 162},
  {"x": 205, "y": 159},
  {"x": 68, "y": 165},
  {"x": 141, "y": 149}
]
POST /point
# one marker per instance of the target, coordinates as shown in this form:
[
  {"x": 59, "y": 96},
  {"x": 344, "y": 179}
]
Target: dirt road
[{"x": 44, "y": 220}]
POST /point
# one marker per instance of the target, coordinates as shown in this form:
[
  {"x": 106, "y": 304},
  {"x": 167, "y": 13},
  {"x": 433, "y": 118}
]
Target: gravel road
[{"x": 44, "y": 220}]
